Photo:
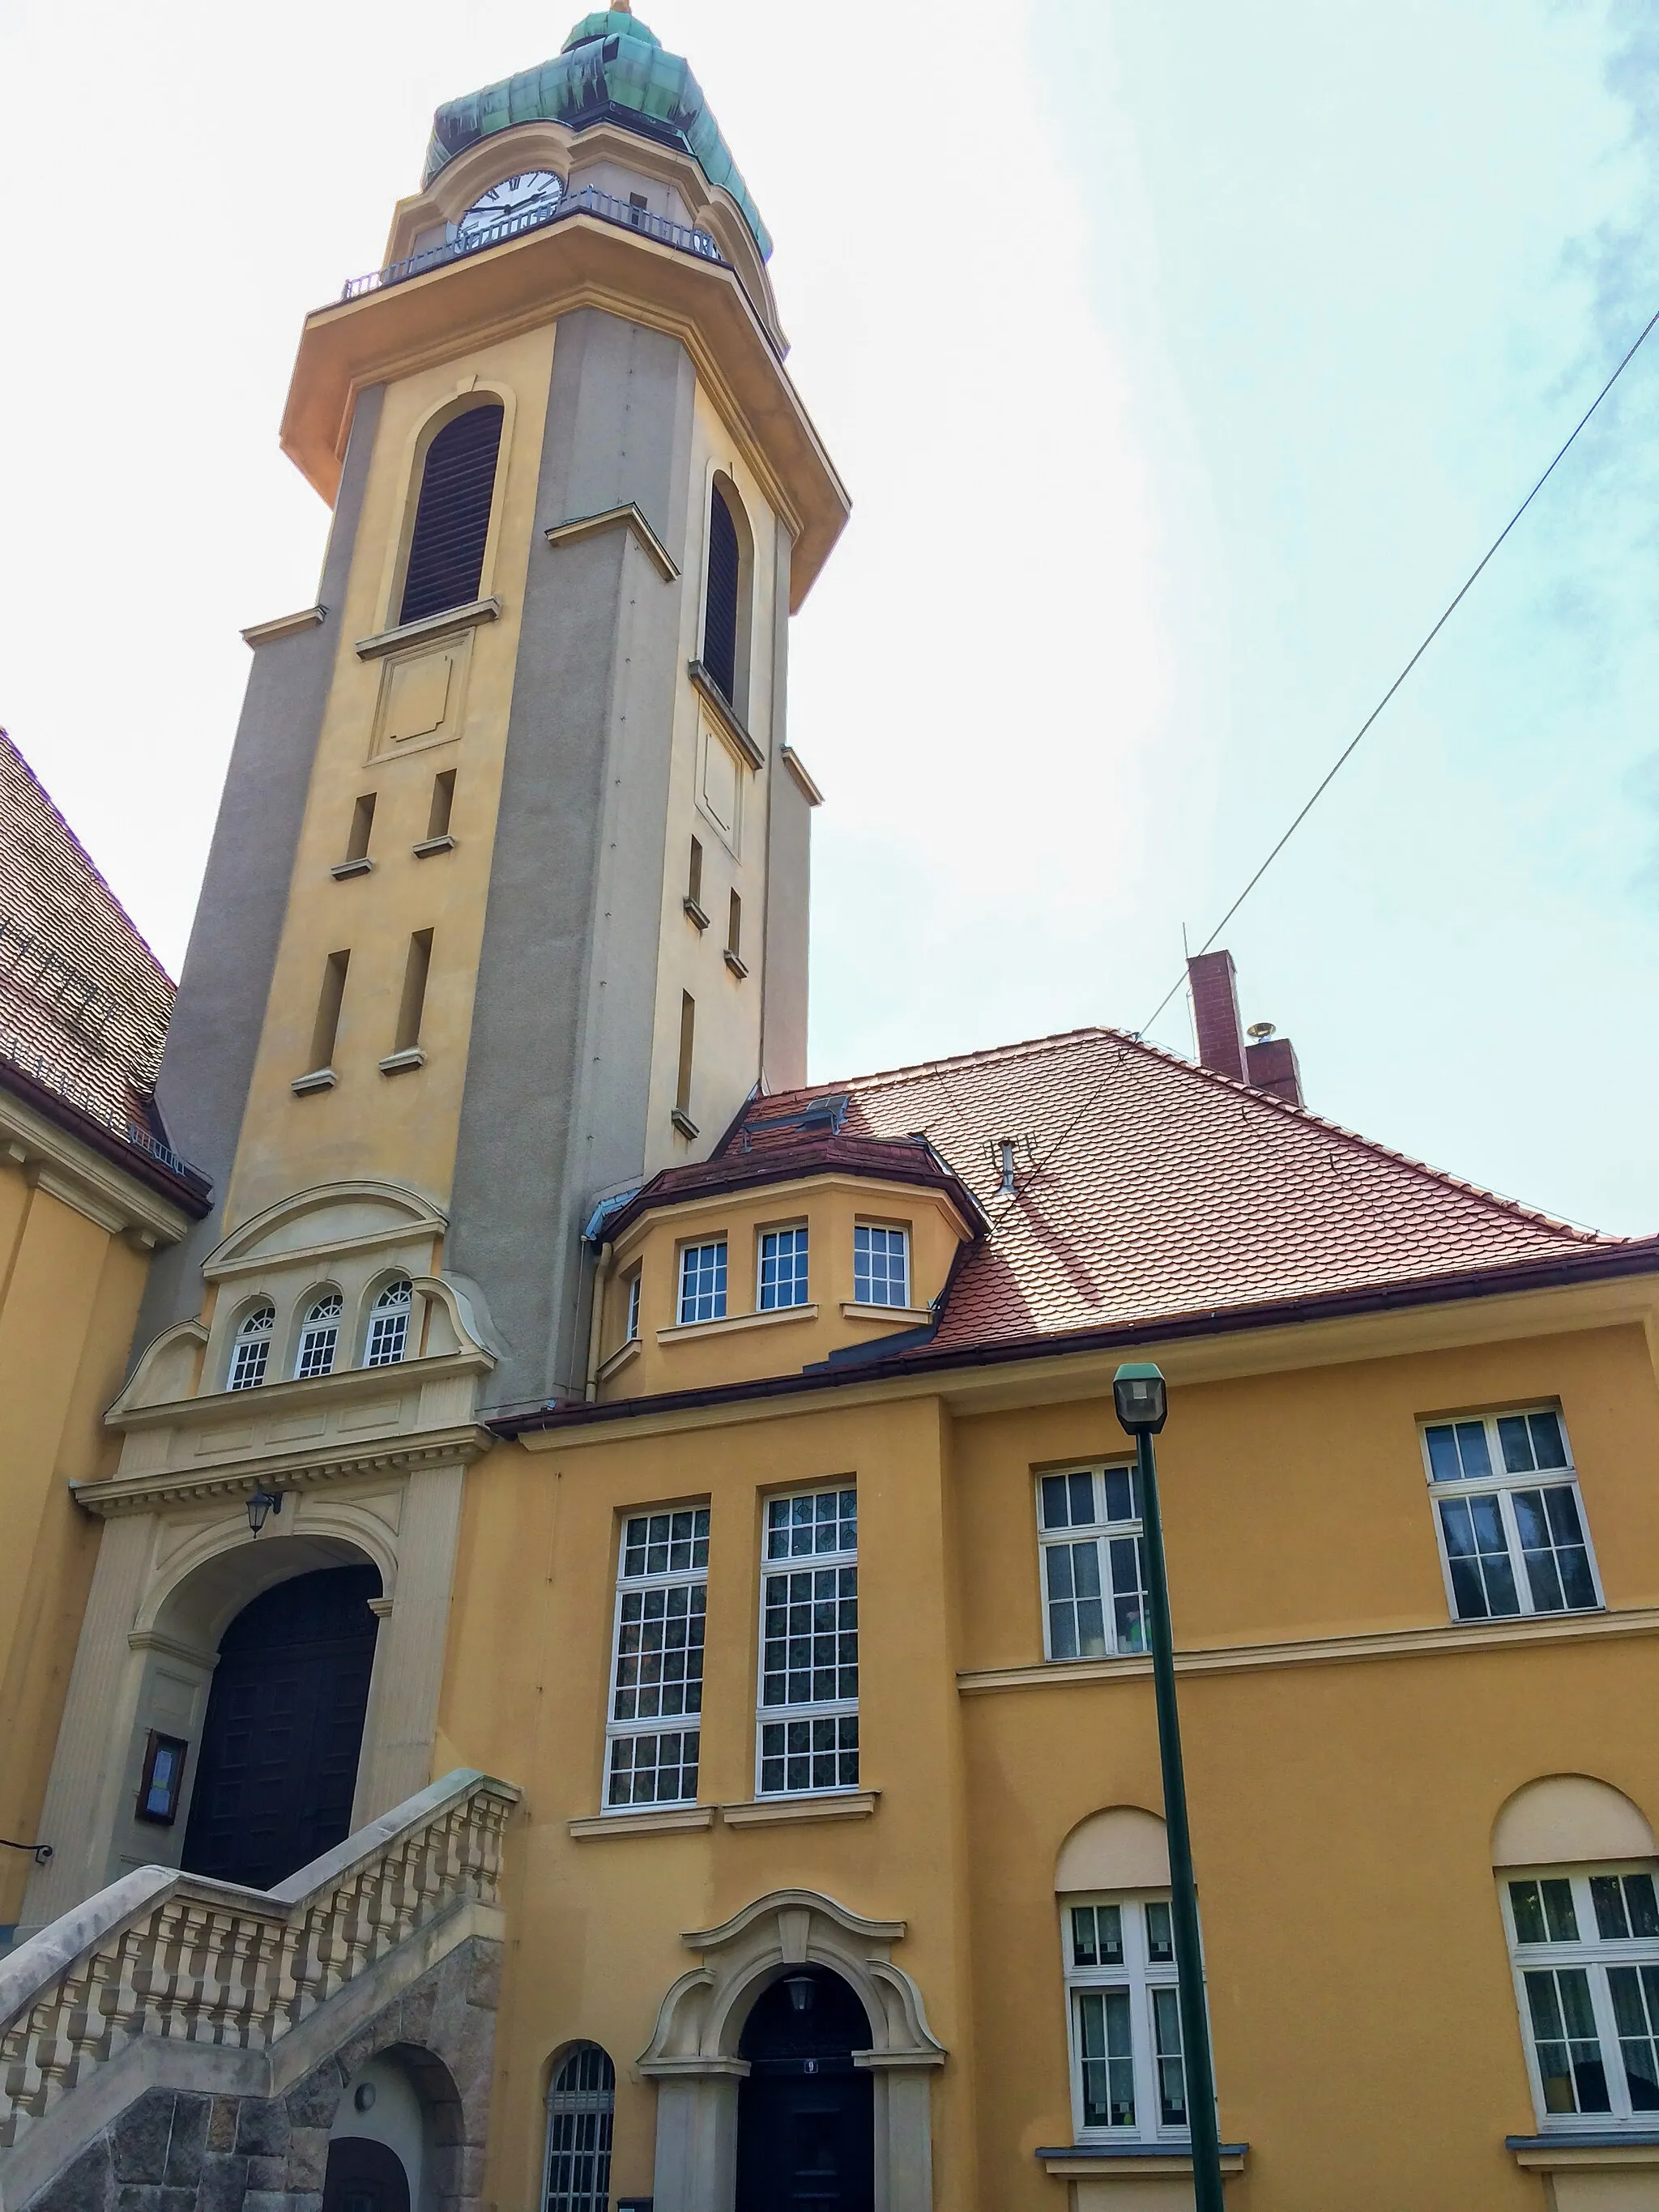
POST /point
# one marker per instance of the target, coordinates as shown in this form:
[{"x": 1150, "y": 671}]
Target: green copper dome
[{"x": 610, "y": 70}]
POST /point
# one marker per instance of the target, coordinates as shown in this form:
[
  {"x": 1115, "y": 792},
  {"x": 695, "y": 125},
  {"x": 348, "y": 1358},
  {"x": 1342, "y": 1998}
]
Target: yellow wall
[
  {"x": 403, "y": 1126},
  {"x": 1368, "y": 2046},
  {"x": 68, "y": 1301}
]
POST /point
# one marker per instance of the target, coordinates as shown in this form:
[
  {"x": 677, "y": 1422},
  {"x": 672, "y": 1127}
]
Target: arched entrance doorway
[
  {"x": 805, "y": 2114},
  {"x": 278, "y": 1761}
]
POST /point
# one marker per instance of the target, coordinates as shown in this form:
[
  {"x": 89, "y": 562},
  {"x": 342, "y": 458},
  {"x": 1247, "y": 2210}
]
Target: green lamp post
[{"x": 1142, "y": 1399}]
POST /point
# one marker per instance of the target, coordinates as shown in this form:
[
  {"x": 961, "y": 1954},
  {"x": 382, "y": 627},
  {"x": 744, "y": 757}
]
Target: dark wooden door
[
  {"x": 806, "y": 2114},
  {"x": 278, "y": 1762},
  {"x": 364, "y": 2177}
]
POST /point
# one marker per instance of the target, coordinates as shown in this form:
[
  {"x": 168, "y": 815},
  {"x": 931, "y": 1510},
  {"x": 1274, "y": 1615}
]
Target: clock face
[{"x": 536, "y": 191}]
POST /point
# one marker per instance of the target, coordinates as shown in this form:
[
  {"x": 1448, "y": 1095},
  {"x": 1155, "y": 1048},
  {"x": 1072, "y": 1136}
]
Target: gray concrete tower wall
[
  {"x": 559, "y": 1064},
  {"x": 208, "y": 1065}
]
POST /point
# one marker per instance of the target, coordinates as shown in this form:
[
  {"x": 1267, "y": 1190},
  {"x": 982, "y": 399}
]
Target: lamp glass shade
[{"x": 1142, "y": 1399}]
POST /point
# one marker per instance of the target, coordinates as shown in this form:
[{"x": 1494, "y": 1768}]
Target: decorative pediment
[{"x": 321, "y": 1223}]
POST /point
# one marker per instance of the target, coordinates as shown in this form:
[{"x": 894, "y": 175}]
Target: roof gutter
[{"x": 903, "y": 1357}]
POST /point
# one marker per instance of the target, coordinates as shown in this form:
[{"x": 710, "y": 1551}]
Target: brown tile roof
[
  {"x": 753, "y": 1153},
  {"x": 1148, "y": 1188},
  {"x": 84, "y": 1000}
]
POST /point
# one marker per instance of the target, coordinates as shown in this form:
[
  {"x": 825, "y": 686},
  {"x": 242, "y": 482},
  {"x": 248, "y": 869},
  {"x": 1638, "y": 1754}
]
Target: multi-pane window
[
  {"x": 656, "y": 1680},
  {"x": 1094, "y": 1562},
  {"x": 251, "y": 1350},
  {"x": 319, "y": 1338},
  {"x": 388, "y": 1325},
  {"x": 809, "y": 1668},
  {"x": 581, "y": 2106},
  {"x": 1128, "y": 2080},
  {"x": 702, "y": 1282},
  {"x": 1511, "y": 1520},
  {"x": 1586, "y": 1953},
  {"x": 783, "y": 1269},
  {"x": 633, "y": 1308},
  {"x": 881, "y": 1266}
]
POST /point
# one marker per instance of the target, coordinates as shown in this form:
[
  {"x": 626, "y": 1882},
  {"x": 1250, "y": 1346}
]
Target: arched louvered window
[
  {"x": 720, "y": 619},
  {"x": 251, "y": 1351},
  {"x": 580, "y": 2108},
  {"x": 452, "y": 517}
]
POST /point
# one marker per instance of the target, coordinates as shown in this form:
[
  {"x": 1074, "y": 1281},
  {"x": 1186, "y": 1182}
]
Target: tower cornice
[{"x": 527, "y": 281}]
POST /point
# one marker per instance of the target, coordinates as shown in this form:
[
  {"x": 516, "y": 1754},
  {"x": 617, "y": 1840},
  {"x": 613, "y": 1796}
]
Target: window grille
[
  {"x": 1094, "y": 1562},
  {"x": 1128, "y": 2073},
  {"x": 720, "y": 623},
  {"x": 1510, "y": 1521},
  {"x": 783, "y": 1269},
  {"x": 881, "y": 1267},
  {"x": 251, "y": 1351},
  {"x": 388, "y": 1325},
  {"x": 452, "y": 515},
  {"x": 808, "y": 1723},
  {"x": 580, "y": 2115},
  {"x": 1585, "y": 1949},
  {"x": 702, "y": 1283},
  {"x": 656, "y": 1677},
  {"x": 319, "y": 1338}
]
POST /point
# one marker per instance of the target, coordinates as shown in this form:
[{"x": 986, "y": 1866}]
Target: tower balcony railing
[{"x": 588, "y": 200}]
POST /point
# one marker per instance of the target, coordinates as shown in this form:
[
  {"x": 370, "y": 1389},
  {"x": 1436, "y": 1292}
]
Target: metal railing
[{"x": 589, "y": 200}]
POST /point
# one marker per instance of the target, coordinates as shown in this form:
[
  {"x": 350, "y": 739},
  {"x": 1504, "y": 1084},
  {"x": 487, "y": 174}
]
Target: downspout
[{"x": 596, "y": 1323}]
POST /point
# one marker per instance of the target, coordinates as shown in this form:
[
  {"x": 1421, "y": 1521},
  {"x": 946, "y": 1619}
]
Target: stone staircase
[{"x": 178, "y": 2044}]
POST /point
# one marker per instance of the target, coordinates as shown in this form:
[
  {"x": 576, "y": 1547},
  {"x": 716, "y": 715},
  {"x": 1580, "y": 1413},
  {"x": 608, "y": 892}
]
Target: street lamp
[
  {"x": 1142, "y": 1399},
  {"x": 261, "y": 1504}
]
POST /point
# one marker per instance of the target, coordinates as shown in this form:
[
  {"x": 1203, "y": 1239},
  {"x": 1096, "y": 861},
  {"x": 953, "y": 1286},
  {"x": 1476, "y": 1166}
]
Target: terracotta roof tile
[{"x": 1147, "y": 1188}]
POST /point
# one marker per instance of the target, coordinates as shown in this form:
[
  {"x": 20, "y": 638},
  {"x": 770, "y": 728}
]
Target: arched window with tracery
[
  {"x": 388, "y": 1325},
  {"x": 250, "y": 1353},
  {"x": 319, "y": 1337},
  {"x": 581, "y": 2106},
  {"x": 721, "y": 596},
  {"x": 452, "y": 515}
]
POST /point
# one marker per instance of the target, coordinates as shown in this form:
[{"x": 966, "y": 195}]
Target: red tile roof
[
  {"x": 1148, "y": 1188},
  {"x": 754, "y": 1153},
  {"x": 84, "y": 1000}
]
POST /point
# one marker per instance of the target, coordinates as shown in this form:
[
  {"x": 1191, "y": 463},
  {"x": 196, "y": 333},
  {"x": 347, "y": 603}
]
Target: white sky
[{"x": 1181, "y": 358}]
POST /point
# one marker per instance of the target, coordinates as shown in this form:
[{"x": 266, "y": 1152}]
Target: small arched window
[
  {"x": 452, "y": 516},
  {"x": 719, "y": 616},
  {"x": 580, "y": 2108},
  {"x": 388, "y": 1325},
  {"x": 319, "y": 1338},
  {"x": 251, "y": 1348}
]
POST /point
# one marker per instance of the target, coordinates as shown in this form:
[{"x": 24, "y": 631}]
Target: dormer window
[
  {"x": 319, "y": 1338},
  {"x": 881, "y": 1266},
  {"x": 251, "y": 1351},
  {"x": 388, "y": 1326},
  {"x": 783, "y": 1269},
  {"x": 702, "y": 1283}
]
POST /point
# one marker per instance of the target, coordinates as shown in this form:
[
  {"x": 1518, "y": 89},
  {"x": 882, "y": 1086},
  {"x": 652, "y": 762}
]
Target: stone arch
[
  {"x": 473, "y": 391},
  {"x": 1565, "y": 1820},
  {"x": 218, "y": 1570},
  {"x": 1121, "y": 1847},
  {"x": 694, "y": 2058}
]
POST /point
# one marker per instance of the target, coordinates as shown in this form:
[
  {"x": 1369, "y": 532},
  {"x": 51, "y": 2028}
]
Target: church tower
[{"x": 506, "y": 906}]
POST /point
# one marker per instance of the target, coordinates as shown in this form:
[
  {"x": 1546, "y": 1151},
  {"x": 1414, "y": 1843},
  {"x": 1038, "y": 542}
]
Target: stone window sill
[
  {"x": 342, "y": 869},
  {"x": 619, "y": 1359},
  {"x": 683, "y": 1121},
  {"x": 738, "y": 966},
  {"x": 734, "y": 1323},
  {"x": 1603, "y": 2147},
  {"x": 695, "y": 912},
  {"x": 429, "y": 845},
  {"x": 431, "y": 626},
  {"x": 1130, "y": 2161},
  {"x": 320, "y": 1078},
  {"x": 775, "y": 1812},
  {"x": 725, "y": 714},
  {"x": 908, "y": 1316},
  {"x": 669, "y": 1822},
  {"x": 401, "y": 1063}
]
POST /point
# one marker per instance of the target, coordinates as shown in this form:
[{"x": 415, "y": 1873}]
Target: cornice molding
[
  {"x": 629, "y": 518},
  {"x": 1325, "y": 1650},
  {"x": 805, "y": 782},
  {"x": 55, "y": 1162},
  {"x": 267, "y": 633},
  {"x": 277, "y": 1400},
  {"x": 299, "y": 1470}
]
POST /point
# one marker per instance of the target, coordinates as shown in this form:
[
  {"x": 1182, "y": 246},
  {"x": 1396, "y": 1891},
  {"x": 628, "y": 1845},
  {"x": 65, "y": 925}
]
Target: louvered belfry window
[
  {"x": 452, "y": 519},
  {"x": 720, "y": 622}
]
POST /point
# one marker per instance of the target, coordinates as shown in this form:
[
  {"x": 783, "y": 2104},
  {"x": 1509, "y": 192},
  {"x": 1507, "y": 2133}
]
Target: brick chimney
[{"x": 1269, "y": 1064}]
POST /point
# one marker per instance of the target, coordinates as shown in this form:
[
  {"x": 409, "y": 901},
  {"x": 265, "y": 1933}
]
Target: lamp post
[{"x": 1142, "y": 1397}]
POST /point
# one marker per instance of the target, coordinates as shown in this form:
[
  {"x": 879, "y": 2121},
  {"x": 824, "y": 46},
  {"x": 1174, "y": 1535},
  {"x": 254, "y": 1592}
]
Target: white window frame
[
  {"x": 311, "y": 1326},
  {"x": 1141, "y": 1977},
  {"x": 252, "y": 1338},
  {"x": 720, "y": 1296},
  {"x": 1112, "y": 1484},
  {"x": 1594, "y": 1954},
  {"x": 388, "y": 1316},
  {"x": 899, "y": 1229},
  {"x": 1501, "y": 1485},
  {"x": 817, "y": 1714},
  {"x": 802, "y": 1277},
  {"x": 690, "y": 1576},
  {"x": 631, "y": 1327}
]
